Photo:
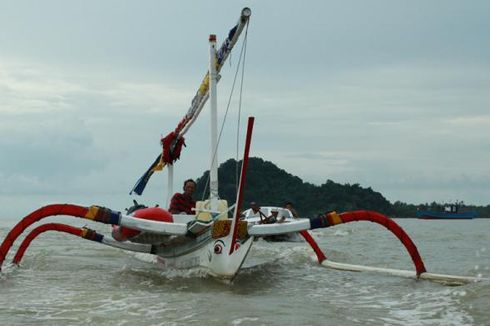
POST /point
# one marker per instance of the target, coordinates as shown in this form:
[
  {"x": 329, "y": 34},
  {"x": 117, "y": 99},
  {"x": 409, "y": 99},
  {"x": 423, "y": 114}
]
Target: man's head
[
  {"x": 254, "y": 206},
  {"x": 189, "y": 187}
]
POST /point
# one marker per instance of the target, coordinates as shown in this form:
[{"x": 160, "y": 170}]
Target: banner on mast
[{"x": 173, "y": 142}]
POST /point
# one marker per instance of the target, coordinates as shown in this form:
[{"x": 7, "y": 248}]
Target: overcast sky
[{"x": 393, "y": 95}]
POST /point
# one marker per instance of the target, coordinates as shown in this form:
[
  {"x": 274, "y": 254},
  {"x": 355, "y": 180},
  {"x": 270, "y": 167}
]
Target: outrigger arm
[
  {"x": 96, "y": 214},
  {"x": 84, "y": 233},
  {"x": 332, "y": 218}
]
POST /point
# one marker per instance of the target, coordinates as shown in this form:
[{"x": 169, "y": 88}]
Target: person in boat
[
  {"x": 273, "y": 218},
  {"x": 255, "y": 209},
  {"x": 289, "y": 206},
  {"x": 256, "y": 212},
  {"x": 183, "y": 203}
]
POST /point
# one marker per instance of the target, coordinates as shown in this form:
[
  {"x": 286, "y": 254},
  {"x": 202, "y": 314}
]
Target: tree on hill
[{"x": 269, "y": 185}]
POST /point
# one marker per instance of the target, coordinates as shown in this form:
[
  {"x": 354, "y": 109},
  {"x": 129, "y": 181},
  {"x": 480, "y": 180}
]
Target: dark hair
[
  {"x": 189, "y": 180},
  {"x": 288, "y": 203}
]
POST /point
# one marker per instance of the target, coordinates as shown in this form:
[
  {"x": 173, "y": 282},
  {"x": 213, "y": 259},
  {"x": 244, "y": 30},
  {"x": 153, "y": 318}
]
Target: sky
[{"x": 393, "y": 95}]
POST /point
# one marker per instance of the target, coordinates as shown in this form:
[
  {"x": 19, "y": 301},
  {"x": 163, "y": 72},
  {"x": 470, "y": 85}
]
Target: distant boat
[{"x": 448, "y": 212}]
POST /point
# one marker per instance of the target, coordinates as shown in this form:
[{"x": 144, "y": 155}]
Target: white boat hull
[{"x": 207, "y": 253}]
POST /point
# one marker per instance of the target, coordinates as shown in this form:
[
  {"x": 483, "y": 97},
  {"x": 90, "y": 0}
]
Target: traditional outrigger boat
[{"x": 209, "y": 239}]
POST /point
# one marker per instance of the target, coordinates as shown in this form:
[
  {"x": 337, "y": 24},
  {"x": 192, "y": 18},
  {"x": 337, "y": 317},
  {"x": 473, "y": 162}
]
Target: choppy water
[{"x": 64, "y": 280}]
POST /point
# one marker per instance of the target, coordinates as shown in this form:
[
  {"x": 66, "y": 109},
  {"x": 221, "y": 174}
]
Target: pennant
[{"x": 140, "y": 185}]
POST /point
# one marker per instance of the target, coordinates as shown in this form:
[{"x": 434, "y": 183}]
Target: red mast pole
[{"x": 241, "y": 186}]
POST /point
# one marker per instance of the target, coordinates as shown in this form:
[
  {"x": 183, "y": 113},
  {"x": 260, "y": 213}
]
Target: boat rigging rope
[
  {"x": 237, "y": 170},
  {"x": 215, "y": 150}
]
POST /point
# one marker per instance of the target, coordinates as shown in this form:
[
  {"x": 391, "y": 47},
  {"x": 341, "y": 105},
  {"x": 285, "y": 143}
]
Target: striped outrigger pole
[
  {"x": 332, "y": 218},
  {"x": 80, "y": 232},
  {"x": 94, "y": 213}
]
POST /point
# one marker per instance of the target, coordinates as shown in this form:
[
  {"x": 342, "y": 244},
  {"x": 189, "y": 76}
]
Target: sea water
[{"x": 65, "y": 280}]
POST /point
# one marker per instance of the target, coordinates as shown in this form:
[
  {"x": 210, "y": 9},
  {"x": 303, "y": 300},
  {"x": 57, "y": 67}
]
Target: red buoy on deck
[{"x": 121, "y": 233}]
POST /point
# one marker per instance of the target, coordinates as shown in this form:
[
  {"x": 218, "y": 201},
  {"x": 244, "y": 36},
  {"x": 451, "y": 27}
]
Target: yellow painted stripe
[{"x": 92, "y": 212}]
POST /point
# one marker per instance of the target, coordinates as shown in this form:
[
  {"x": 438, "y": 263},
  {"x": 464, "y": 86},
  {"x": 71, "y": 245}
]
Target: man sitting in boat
[
  {"x": 273, "y": 217},
  {"x": 184, "y": 203},
  {"x": 256, "y": 212},
  {"x": 289, "y": 206}
]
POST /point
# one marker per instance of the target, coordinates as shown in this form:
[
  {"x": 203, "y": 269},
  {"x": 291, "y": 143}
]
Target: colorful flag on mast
[{"x": 173, "y": 142}]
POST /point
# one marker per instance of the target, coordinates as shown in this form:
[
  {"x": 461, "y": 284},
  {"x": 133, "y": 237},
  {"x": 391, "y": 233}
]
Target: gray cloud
[{"x": 388, "y": 94}]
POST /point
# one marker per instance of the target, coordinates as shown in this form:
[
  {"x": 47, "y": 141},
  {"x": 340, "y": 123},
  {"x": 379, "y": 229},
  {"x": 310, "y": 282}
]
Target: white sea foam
[
  {"x": 441, "y": 307},
  {"x": 239, "y": 321},
  {"x": 341, "y": 233}
]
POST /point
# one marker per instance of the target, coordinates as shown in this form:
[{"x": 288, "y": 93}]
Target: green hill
[{"x": 269, "y": 185}]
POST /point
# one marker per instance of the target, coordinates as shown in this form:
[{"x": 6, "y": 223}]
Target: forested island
[{"x": 269, "y": 185}]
